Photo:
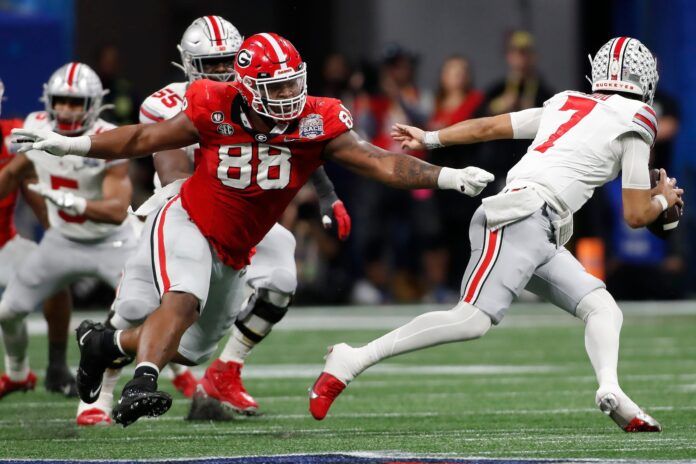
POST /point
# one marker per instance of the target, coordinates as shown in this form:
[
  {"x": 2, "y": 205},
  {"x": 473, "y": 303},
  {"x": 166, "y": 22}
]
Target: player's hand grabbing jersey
[
  {"x": 162, "y": 105},
  {"x": 245, "y": 179},
  {"x": 77, "y": 174},
  {"x": 7, "y": 204},
  {"x": 583, "y": 141}
]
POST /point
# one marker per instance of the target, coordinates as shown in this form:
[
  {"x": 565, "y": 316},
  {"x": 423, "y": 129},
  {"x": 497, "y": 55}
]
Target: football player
[
  {"x": 86, "y": 199},
  {"x": 208, "y": 48},
  {"x": 13, "y": 249},
  {"x": 580, "y": 142},
  {"x": 261, "y": 137}
]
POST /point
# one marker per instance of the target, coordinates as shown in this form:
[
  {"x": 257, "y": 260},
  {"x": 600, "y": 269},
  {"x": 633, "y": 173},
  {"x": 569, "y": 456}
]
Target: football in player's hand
[{"x": 667, "y": 221}]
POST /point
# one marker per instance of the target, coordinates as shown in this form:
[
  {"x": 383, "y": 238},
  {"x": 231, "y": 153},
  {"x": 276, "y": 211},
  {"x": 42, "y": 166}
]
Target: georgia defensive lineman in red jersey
[{"x": 261, "y": 138}]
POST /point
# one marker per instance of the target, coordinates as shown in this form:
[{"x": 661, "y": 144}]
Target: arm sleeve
[
  {"x": 525, "y": 123},
  {"x": 635, "y": 155}
]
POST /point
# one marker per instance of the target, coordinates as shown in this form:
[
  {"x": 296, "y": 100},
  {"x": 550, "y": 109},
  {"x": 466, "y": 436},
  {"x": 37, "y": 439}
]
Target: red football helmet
[{"x": 272, "y": 76}]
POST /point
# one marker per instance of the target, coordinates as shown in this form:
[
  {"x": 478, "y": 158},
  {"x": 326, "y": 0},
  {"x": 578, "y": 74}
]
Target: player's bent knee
[
  {"x": 474, "y": 322},
  {"x": 9, "y": 314},
  {"x": 127, "y": 314},
  {"x": 282, "y": 281},
  {"x": 599, "y": 302}
]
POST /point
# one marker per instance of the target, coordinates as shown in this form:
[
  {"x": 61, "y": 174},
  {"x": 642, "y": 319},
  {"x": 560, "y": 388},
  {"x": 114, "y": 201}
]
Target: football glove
[
  {"x": 50, "y": 142},
  {"x": 469, "y": 181},
  {"x": 67, "y": 201},
  {"x": 337, "y": 212}
]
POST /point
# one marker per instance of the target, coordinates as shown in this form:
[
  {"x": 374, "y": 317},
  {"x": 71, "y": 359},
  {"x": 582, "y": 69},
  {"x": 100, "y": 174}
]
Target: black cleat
[
  {"x": 93, "y": 361},
  {"x": 140, "y": 398},
  {"x": 60, "y": 380}
]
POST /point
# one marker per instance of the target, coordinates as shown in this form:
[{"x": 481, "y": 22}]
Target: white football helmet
[
  {"x": 624, "y": 64},
  {"x": 209, "y": 39},
  {"x": 79, "y": 81}
]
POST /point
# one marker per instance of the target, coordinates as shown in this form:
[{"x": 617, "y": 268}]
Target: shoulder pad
[
  {"x": 644, "y": 122},
  {"x": 36, "y": 120},
  {"x": 163, "y": 104}
]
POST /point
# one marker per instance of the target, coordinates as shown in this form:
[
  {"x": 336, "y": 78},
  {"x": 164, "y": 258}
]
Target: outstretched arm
[
  {"x": 399, "y": 170},
  {"x": 518, "y": 125},
  {"x": 123, "y": 142}
]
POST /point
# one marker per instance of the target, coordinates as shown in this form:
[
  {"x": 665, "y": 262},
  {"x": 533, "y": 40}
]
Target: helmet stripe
[
  {"x": 215, "y": 28},
  {"x": 276, "y": 48},
  {"x": 616, "y": 54},
  {"x": 71, "y": 73}
]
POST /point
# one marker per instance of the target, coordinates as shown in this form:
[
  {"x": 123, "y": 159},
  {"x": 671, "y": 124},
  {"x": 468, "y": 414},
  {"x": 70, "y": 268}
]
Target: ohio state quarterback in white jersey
[
  {"x": 87, "y": 201},
  {"x": 580, "y": 141}
]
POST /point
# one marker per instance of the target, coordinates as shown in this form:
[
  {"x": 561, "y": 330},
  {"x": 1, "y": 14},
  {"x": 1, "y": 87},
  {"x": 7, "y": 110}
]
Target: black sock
[
  {"x": 56, "y": 354},
  {"x": 109, "y": 346},
  {"x": 146, "y": 370}
]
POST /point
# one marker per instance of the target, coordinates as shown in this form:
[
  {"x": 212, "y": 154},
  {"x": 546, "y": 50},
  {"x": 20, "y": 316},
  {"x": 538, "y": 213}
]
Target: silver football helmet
[
  {"x": 209, "y": 40},
  {"x": 78, "y": 81},
  {"x": 624, "y": 64}
]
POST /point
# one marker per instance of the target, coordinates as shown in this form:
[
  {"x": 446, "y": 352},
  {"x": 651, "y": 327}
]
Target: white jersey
[
  {"x": 580, "y": 144},
  {"x": 80, "y": 175},
  {"x": 162, "y": 105}
]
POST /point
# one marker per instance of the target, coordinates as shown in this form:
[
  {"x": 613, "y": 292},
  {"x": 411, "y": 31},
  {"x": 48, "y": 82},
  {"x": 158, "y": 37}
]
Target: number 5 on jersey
[{"x": 235, "y": 167}]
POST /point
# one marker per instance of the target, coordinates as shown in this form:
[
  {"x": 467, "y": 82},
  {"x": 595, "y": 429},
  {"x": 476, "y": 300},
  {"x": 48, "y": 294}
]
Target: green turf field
[{"x": 525, "y": 390}]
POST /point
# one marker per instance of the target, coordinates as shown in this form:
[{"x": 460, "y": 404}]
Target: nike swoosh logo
[
  {"x": 313, "y": 395},
  {"x": 95, "y": 392},
  {"x": 286, "y": 139},
  {"x": 82, "y": 338}
]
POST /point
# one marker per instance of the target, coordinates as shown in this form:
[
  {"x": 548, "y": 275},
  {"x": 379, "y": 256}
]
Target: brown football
[{"x": 667, "y": 221}]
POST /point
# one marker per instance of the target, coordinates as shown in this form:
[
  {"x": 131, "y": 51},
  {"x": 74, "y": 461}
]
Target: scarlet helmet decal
[{"x": 273, "y": 76}]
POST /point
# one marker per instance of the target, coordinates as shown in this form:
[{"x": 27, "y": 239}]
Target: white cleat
[{"x": 627, "y": 415}]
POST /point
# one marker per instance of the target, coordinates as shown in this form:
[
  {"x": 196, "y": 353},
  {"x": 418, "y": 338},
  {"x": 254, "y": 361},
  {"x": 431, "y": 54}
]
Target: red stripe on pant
[
  {"x": 160, "y": 247},
  {"x": 489, "y": 253}
]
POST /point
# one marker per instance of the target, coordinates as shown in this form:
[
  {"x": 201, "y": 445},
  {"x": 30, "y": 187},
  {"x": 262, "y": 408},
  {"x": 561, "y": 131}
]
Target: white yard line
[{"x": 391, "y": 316}]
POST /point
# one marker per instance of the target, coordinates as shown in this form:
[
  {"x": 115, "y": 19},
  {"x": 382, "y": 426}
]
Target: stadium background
[{"x": 416, "y": 250}]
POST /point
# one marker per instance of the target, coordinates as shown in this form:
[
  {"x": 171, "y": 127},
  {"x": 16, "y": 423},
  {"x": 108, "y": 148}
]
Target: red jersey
[
  {"x": 7, "y": 204},
  {"x": 245, "y": 178}
]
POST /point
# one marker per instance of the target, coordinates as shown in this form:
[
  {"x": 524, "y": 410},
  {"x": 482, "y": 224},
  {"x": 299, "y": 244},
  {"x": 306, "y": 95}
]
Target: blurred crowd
[{"x": 413, "y": 246}]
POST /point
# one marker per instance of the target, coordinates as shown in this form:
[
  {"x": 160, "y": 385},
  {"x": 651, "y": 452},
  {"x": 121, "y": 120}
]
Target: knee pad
[
  {"x": 599, "y": 302},
  {"x": 477, "y": 322},
  {"x": 117, "y": 322},
  {"x": 265, "y": 309},
  {"x": 281, "y": 282}
]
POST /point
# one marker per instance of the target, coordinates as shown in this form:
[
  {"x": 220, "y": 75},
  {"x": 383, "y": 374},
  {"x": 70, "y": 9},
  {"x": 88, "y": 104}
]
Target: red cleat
[
  {"x": 186, "y": 383},
  {"x": 323, "y": 393},
  {"x": 93, "y": 416},
  {"x": 8, "y": 386},
  {"x": 643, "y": 423},
  {"x": 223, "y": 381}
]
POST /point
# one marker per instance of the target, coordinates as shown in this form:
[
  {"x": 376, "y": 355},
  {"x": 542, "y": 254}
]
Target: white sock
[
  {"x": 463, "y": 322},
  {"x": 106, "y": 395},
  {"x": 177, "y": 369},
  {"x": 16, "y": 340},
  {"x": 603, "y": 321},
  {"x": 237, "y": 347}
]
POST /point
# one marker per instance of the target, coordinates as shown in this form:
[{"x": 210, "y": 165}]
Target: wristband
[
  {"x": 80, "y": 146},
  {"x": 662, "y": 200},
  {"x": 431, "y": 139},
  {"x": 447, "y": 179}
]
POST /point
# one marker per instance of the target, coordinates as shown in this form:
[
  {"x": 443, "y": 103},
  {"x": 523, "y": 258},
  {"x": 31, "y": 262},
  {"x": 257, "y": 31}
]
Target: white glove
[
  {"x": 67, "y": 201},
  {"x": 50, "y": 142},
  {"x": 469, "y": 181}
]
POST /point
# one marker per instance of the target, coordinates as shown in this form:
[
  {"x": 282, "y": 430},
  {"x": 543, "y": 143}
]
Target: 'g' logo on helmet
[{"x": 243, "y": 58}]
